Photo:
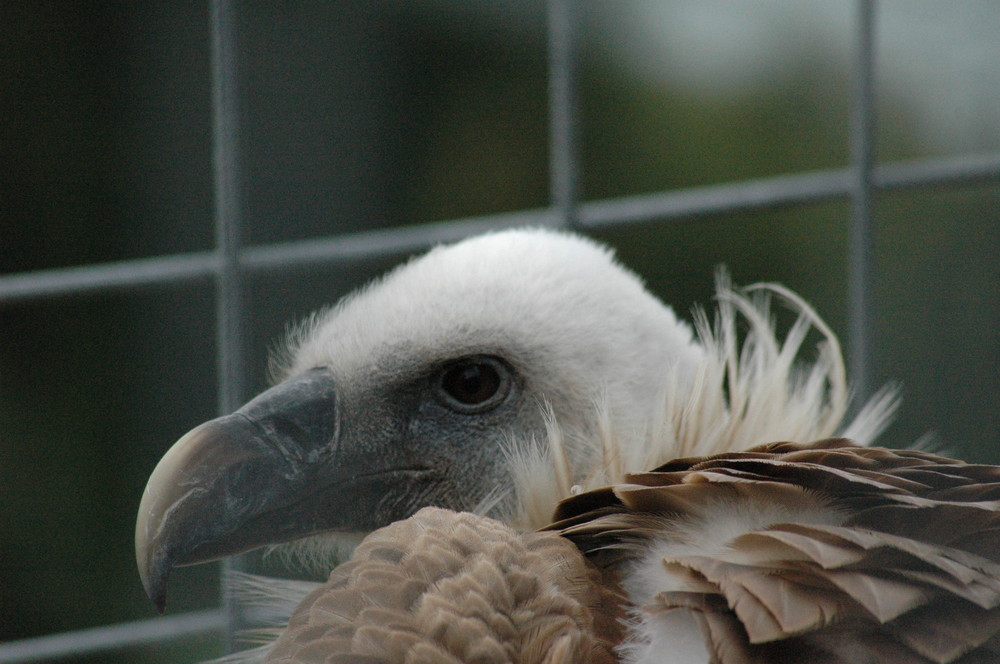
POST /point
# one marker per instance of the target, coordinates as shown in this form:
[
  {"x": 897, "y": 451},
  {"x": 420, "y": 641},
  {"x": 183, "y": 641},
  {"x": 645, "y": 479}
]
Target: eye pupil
[{"x": 471, "y": 383}]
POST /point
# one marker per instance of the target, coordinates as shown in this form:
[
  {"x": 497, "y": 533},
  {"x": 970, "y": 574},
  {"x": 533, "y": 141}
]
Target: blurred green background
[{"x": 370, "y": 115}]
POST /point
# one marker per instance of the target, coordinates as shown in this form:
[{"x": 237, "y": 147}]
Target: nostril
[{"x": 302, "y": 412}]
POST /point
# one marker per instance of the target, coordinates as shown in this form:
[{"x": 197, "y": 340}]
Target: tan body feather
[{"x": 443, "y": 587}]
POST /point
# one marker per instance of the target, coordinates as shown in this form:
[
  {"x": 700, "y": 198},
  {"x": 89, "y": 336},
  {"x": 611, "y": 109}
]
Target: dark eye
[{"x": 474, "y": 384}]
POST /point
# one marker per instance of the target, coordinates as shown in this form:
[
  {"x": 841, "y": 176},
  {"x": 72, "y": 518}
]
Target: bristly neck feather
[{"x": 743, "y": 394}]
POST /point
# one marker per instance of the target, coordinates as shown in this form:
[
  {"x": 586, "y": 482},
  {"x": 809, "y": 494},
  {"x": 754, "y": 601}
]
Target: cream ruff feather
[
  {"x": 740, "y": 394},
  {"x": 733, "y": 550}
]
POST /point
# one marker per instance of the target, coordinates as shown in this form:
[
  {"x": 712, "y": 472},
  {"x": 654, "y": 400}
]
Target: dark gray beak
[{"x": 258, "y": 476}]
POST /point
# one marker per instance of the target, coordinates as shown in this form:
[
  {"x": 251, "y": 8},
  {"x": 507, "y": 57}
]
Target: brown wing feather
[{"x": 908, "y": 571}]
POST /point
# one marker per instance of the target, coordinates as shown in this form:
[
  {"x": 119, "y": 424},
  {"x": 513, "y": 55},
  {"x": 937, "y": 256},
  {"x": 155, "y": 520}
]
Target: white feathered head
[{"x": 496, "y": 373}]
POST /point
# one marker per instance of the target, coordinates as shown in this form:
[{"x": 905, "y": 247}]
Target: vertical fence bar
[
  {"x": 564, "y": 158},
  {"x": 861, "y": 235},
  {"x": 228, "y": 203}
]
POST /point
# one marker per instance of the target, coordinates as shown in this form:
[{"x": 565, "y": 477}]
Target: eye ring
[{"x": 473, "y": 384}]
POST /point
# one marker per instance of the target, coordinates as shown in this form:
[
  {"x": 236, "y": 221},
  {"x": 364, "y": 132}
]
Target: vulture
[{"x": 524, "y": 456}]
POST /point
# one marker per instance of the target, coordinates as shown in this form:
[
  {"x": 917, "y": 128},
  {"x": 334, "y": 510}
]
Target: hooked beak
[{"x": 237, "y": 482}]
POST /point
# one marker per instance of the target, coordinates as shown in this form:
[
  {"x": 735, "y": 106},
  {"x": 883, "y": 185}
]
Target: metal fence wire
[{"x": 231, "y": 262}]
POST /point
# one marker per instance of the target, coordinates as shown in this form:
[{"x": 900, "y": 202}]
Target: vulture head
[{"x": 498, "y": 375}]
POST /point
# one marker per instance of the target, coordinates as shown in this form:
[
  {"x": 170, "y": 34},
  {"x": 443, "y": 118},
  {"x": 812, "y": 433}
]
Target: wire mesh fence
[{"x": 231, "y": 262}]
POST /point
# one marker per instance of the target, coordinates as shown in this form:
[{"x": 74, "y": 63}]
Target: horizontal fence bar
[
  {"x": 944, "y": 171},
  {"x": 758, "y": 194},
  {"x": 113, "y": 637},
  {"x": 715, "y": 199},
  {"x": 384, "y": 242},
  {"x": 121, "y": 275},
  {"x": 785, "y": 190}
]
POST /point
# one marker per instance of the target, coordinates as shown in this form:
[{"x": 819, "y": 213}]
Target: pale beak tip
[{"x": 153, "y": 574}]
